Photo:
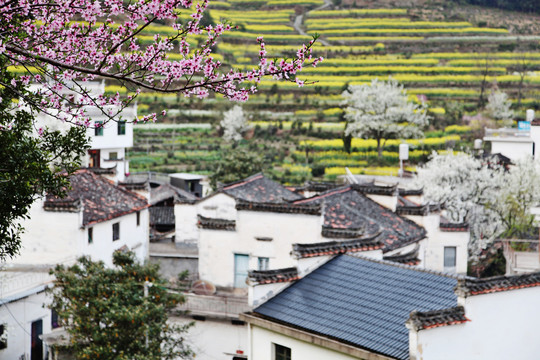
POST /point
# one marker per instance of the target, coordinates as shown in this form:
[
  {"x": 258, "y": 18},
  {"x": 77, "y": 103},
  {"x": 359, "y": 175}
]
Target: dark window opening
[
  {"x": 36, "y": 346},
  {"x": 121, "y": 128},
  {"x": 264, "y": 263},
  {"x": 116, "y": 231},
  {"x": 138, "y": 218},
  {"x": 282, "y": 352},
  {"x": 98, "y": 128},
  {"x": 3, "y": 337},
  {"x": 94, "y": 158},
  {"x": 54, "y": 320},
  {"x": 90, "y": 235}
]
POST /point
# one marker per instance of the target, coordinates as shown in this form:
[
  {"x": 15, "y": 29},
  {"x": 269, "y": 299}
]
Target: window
[
  {"x": 449, "y": 257},
  {"x": 3, "y": 336},
  {"x": 241, "y": 265},
  {"x": 116, "y": 231},
  {"x": 263, "y": 263},
  {"x": 90, "y": 235},
  {"x": 282, "y": 352},
  {"x": 121, "y": 128},
  {"x": 113, "y": 155},
  {"x": 54, "y": 320},
  {"x": 138, "y": 218},
  {"x": 98, "y": 128}
]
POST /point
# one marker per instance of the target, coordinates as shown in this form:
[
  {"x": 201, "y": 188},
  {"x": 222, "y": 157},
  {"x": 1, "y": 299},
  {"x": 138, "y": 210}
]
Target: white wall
[
  {"x": 432, "y": 250},
  {"x": 133, "y": 236},
  {"x": 389, "y": 202},
  {"x": 53, "y": 237},
  {"x": 110, "y": 138},
  {"x": 512, "y": 149},
  {"x": 215, "y": 339},
  {"x": 50, "y": 237},
  {"x": 504, "y": 325},
  {"x": 217, "y": 247},
  {"x": 26, "y": 310},
  {"x": 262, "y": 340},
  {"x": 219, "y": 206}
]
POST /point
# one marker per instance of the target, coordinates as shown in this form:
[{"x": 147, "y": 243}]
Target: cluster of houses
[{"x": 324, "y": 271}]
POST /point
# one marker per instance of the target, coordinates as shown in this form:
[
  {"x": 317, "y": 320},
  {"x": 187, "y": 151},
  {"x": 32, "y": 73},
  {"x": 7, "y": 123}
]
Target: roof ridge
[
  {"x": 249, "y": 179},
  {"x": 385, "y": 209},
  {"x": 476, "y": 286},
  {"x": 410, "y": 267},
  {"x": 324, "y": 194},
  {"x": 283, "y": 207},
  {"x": 336, "y": 247},
  {"x": 421, "y": 320}
]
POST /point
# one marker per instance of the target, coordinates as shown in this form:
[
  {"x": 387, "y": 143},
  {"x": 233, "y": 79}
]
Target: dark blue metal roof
[{"x": 362, "y": 302}]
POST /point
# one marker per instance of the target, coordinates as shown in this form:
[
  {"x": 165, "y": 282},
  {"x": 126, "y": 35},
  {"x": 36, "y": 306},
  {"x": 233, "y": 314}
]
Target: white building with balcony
[{"x": 109, "y": 138}]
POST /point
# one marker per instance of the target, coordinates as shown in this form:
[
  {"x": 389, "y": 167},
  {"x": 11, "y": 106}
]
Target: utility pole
[{"x": 147, "y": 284}]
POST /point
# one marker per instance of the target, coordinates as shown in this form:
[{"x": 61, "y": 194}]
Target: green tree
[
  {"x": 237, "y": 164},
  {"x": 108, "y": 316},
  {"x": 33, "y": 162}
]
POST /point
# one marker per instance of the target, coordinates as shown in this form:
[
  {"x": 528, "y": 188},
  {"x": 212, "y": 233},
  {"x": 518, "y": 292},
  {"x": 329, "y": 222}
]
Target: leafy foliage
[
  {"x": 382, "y": 111},
  {"x": 107, "y": 315},
  {"x": 33, "y": 162},
  {"x": 236, "y": 165}
]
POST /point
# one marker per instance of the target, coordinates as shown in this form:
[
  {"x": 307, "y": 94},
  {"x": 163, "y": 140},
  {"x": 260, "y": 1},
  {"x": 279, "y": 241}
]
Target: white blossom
[
  {"x": 498, "y": 107},
  {"x": 234, "y": 123},
  {"x": 491, "y": 199},
  {"x": 382, "y": 110}
]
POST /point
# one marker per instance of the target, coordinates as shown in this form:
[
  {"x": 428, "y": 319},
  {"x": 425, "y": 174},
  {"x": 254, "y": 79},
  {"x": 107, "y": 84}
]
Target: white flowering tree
[
  {"x": 382, "y": 110},
  {"x": 492, "y": 200},
  {"x": 234, "y": 123},
  {"x": 498, "y": 107}
]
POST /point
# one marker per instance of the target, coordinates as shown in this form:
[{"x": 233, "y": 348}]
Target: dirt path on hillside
[{"x": 299, "y": 19}]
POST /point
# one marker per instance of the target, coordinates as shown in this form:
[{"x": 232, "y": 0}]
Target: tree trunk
[
  {"x": 520, "y": 89},
  {"x": 379, "y": 147}
]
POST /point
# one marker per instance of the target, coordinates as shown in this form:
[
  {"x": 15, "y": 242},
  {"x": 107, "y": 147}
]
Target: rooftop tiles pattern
[
  {"x": 258, "y": 188},
  {"x": 361, "y": 302},
  {"x": 408, "y": 258},
  {"x": 437, "y": 318},
  {"x": 288, "y": 208},
  {"x": 101, "y": 199},
  {"x": 216, "y": 224},
  {"x": 273, "y": 276},
  {"x": 336, "y": 247},
  {"x": 162, "y": 215},
  {"x": 472, "y": 286},
  {"x": 166, "y": 191},
  {"x": 345, "y": 208}
]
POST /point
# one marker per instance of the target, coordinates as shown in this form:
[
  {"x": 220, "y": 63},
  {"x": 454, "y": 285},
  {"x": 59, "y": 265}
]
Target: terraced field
[{"x": 452, "y": 64}]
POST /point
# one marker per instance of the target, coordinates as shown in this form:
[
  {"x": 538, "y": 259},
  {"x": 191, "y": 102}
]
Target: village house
[
  {"x": 109, "y": 139},
  {"x": 253, "y": 224},
  {"x": 96, "y": 218},
  {"x": 357, "y": 307}
]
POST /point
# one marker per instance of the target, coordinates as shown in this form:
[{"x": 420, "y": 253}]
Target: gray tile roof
[
  {"x": 362, "y": 302},
  {"x": 347, "y": 209},
  {"x": 101, "y": 199},
  {"x": 258, "y": 188}
]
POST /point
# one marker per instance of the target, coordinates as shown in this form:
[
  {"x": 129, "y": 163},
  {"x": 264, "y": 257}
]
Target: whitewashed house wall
[{"x": 503, "y": 325}]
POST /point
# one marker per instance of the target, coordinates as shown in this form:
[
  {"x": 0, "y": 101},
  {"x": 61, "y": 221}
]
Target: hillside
[{"x": 447, "y": 54}]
